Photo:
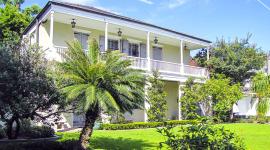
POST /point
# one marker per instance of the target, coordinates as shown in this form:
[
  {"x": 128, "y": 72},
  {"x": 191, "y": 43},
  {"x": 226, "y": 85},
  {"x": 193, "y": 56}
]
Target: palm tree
[
  {"x": 99, "y": 82},
  {"x": 261, "y": 86}
]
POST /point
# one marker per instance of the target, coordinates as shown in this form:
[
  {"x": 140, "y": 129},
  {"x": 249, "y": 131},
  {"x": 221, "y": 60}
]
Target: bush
[
  {"x": 142, "y": 125},
  {"x": 32, "y": 131},
  {"x": 201, "y": 136},
  {"x": 2, "y": 133},
  {"x": 39, "y": 132}
]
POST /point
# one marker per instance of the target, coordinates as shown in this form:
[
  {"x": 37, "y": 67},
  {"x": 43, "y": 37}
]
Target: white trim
[
  {"x": 148, "y": 52},
  {"x": 51, "y": 27},
  {"x": 106, "y": 36},
  {"x": 81, "y": 31},
  {"x": 130, "y": 40},
  {"x": 113, "y": 37},
  {"x": 111, "y": 20},
  {"x": 157, "y": 45}
]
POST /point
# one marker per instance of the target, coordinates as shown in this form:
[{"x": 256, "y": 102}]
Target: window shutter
[
  {"x": 143, "y": 50},
  {"x": 125, "y": 46},
  {"x": 102, "y": 43},
  {"x": 157, "y": 53}
]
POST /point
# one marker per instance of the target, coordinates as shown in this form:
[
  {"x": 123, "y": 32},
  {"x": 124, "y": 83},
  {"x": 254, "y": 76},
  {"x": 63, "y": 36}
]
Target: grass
[{"x": 255, "y": 136}]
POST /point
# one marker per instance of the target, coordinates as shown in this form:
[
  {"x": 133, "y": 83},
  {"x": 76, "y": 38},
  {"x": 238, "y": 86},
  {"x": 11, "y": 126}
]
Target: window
[
  {"x": 133, "y": 49},
  {"x": 82, "y": 38},
  {"x": 113, "y": 44}
]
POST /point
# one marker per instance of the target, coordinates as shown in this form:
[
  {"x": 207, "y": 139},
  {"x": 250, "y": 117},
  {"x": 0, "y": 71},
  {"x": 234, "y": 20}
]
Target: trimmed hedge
[{"x": 142, "y": 125}]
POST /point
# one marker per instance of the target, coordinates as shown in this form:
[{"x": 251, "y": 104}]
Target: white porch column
[
  {"x": 106, "y": 36},
  {"x": 208, "y": 52},
  {"x": 146, "y": 104},
  {"x": 148, "y": 52},
  {"x": 182, "y": 57},
  {"x": 51, "y": 29},
  {"x": 180, "y": 94}
]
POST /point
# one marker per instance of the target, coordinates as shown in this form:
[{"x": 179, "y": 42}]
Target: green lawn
[{"x": 256, "y": 137}]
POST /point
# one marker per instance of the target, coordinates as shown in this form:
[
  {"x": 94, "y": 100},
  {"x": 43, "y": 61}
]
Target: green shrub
[
  {"x": 200, "y": 137},
  {"x": 2, "y": 133},
  {"x": 39, "y": 132},
  {"x": 28, "y": 130},
  {"x": 141, "y": 125}
]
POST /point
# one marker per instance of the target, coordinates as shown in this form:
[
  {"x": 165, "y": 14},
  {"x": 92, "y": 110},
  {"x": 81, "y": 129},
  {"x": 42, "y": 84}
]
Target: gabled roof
[{"x": 106, "y": 13}]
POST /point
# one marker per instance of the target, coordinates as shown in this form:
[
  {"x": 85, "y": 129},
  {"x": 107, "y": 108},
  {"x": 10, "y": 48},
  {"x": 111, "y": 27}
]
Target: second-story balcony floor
[{"x": 167, "y": 70}]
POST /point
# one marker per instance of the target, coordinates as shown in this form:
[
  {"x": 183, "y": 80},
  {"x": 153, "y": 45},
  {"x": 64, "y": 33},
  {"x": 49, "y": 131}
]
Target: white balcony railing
[
  {"x": 197, "y": 71},
  {"x": 162, "y": 66},
  {"x": 165, "y": 66},
  {"x": 138, "y": 62}
]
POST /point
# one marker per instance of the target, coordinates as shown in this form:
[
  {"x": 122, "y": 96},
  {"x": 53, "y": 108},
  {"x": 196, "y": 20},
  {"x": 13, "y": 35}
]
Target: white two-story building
[{"x": 148, "y": 46}]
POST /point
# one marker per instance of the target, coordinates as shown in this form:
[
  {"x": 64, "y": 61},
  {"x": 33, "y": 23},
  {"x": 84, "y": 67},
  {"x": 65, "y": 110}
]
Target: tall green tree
[
  {"x": 220, "y": 95},
  {"x": 236, "y": 59},
  {"x": 213, "y": 98},
  {"x": 26, "y": 89},
  {"x": 190, "y": 99},
  {"x": 13, "y": 21},
  {"x": 16, "y": 3},
  {"x": 99, "y": 82},
  {"x": 261, "y": 86},
  {"x": 12, "y": 24},
  {"x": 156, "y": 97}
]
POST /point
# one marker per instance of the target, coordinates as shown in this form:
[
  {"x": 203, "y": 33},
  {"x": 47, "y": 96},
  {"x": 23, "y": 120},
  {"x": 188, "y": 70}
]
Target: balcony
[{"x": 164, "y": 67}]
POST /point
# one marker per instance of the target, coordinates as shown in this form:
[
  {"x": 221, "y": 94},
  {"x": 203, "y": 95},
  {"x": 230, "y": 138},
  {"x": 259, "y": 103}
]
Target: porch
[{"x": 164, "y": 67}]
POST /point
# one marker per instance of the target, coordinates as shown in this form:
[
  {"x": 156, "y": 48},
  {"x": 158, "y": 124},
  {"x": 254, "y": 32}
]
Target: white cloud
[
  {"x": 147, "y": 2},
  {"x": 176, "y": 3}
]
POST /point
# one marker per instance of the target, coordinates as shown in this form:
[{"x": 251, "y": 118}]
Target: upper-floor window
[
  {"x": 113, "y": 44},
  {"x": 134, "y": 49},
  {"x": 82, "y": 38}
]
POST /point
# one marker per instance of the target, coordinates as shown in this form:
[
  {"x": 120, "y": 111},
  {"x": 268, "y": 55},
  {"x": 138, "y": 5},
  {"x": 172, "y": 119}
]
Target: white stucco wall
[
  {"x": 171, "y": 88},
  {"x": 136, "y": 116},
  {"x": 247, "y": 107}
]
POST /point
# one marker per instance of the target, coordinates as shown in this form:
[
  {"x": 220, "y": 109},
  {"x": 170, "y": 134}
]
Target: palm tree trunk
[{"x": 90, "y": 118}]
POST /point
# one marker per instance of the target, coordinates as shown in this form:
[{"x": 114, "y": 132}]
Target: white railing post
[
  {"x": 148, "y": 52},
  {"x": 106, "y": 36},
  {"x": 182, "y": 57}
]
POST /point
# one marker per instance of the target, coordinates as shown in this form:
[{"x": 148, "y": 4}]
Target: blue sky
[{"x": 209, "y": 19}]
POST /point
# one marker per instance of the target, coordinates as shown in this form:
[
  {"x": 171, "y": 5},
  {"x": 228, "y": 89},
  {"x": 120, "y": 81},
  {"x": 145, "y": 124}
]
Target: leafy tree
[
  {"x": 201, "y": 57},
  {"x": 220, "y": 95},
  {"x": 190, "y": 99},
  {"x": 237, "y": 60},
  {"x": 13, "y": 22},
  {"x": 16, "y": 3},
  {"x": 26, "y": 90},
  {"x": 99, "y": 83},
  {"x": 156, "y": 98},
  {"x": 261, "y": 86},
  {"x": 215, "y": 98},
  {"x": 32, "y": 11}
]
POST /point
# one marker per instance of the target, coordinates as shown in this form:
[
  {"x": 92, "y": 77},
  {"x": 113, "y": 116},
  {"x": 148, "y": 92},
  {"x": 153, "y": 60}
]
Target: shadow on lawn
[
  {"x": 96, "y": 143},
  {"x": 118, "y": 143}
]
